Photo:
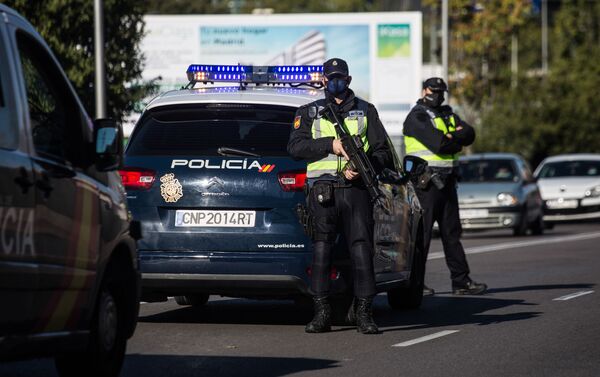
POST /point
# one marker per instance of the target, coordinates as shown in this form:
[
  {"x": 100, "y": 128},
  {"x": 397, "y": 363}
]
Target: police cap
[
  {"x": 335, "y": 67},
  {"x": 435, "y": 84}
]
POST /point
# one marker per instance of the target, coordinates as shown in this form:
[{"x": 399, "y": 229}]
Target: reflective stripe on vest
[
  {"x": 415, "y": 148},
  {"x": 332, "y": 164}
]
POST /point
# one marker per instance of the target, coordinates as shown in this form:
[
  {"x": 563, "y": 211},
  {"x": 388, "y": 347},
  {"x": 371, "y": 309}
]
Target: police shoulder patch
[{"x": 297, "y": 121}]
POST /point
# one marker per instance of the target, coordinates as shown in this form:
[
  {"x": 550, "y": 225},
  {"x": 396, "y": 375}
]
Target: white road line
[
  {"x": 514, "y": 245},
  {"x": 425, "y": 338},
  {"x": 572, "y": 295}
]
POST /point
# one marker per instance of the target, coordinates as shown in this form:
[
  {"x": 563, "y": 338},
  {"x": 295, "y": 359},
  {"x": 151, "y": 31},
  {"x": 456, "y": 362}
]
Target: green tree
[
  {"x": 554, "y": 113},
  {"x": 68, "y": 28}
]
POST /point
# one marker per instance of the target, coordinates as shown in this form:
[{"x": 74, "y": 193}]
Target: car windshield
[
  {"x": 488, "y": 170},
  {"x": 256, "y": 130},
  {"x": 581, "y": 168}
]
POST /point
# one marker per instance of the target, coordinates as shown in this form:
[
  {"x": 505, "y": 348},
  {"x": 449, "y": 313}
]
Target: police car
[
  {"x": 69, "y": 282},
  {"x": 208, "y": 176}
]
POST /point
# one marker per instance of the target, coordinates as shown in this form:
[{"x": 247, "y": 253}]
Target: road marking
[
  {"x": 514, "y": 245},
  {"x": 572, "y": 295},
  {"x": 425, "y": 338}
]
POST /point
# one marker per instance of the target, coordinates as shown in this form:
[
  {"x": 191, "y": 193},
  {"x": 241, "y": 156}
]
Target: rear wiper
[{"x": 226, "y": 151}]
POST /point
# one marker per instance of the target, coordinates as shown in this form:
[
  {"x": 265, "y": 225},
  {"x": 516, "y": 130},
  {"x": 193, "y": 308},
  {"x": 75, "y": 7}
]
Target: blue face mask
[{"x": 337, "y": 86}]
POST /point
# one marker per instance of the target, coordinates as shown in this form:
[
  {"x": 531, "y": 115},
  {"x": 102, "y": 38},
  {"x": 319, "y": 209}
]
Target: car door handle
[{"x": 23, "y": 180}]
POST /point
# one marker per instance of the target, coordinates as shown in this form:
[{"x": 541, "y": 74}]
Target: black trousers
[
  {"x": 349, "y": 211},
  {"x": 442, "y": 206}
]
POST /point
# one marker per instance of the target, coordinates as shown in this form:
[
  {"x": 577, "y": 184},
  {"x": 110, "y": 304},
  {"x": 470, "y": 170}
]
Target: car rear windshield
[
  {"x": 570, "y": 169},
  {"x": 490, "y": 170},
  {"x": 201, "y": 130}
]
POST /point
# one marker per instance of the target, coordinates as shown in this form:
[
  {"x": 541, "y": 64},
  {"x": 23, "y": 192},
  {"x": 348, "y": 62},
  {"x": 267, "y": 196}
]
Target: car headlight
[
  {"x": 593, "y": 192},
  {"x": 507, "y": 199}
]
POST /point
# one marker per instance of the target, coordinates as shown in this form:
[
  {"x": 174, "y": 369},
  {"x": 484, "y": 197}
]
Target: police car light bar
[{"x": 244, "y": 74}]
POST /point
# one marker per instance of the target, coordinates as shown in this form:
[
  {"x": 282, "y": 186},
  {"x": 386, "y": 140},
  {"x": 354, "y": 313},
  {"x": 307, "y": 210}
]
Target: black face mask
[
  {"x": 337, "y": 87},
  {"x": 434, "y": 99}
]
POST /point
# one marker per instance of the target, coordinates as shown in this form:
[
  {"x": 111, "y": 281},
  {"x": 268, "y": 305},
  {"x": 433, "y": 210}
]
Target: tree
[
  {"x": 68, "y": 28},
  {"x": 556, "y": 113}
]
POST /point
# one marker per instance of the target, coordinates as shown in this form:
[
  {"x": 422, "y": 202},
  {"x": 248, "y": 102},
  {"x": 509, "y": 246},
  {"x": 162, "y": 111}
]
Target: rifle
[{"x": 359, "y": 161}]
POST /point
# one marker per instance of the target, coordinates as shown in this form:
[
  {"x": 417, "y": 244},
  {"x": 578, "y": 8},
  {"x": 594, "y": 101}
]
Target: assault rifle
[{"x": 359, "y": 161}]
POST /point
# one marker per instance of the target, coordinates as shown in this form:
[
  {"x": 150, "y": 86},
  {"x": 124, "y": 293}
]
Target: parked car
[
  {"x": 208, "y": 175},
  {"x": 570, "y": 187},
  {"x": 69, "y": 282},
  {"x": 497, "y": 190}
]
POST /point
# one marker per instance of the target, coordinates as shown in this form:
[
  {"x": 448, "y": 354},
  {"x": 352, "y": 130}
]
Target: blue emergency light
[{"x": 292, "y": 75}]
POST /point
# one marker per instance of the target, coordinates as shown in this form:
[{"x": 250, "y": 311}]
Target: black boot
[
  {"x": 322, "y": 319},
  {"x": 364, "y": 316}
]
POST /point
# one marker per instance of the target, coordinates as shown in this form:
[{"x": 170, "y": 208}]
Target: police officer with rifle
[
  {"x": 346, "y": 147},
  {"x": 434, "y": 133}
]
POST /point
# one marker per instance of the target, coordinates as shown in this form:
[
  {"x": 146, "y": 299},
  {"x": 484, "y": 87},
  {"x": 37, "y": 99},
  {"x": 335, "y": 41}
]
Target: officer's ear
[{"x": 349, "y": 80}]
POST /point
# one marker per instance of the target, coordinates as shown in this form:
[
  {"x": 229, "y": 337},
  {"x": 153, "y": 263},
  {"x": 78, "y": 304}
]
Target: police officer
[
  {"x": 337, "y": 197},
  {"x": 434, "y": 133}
]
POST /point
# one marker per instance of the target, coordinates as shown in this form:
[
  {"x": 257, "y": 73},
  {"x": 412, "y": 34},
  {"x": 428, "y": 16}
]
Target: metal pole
[
  {"x": 433, "y": 36},
  {"x": 445, "y": 39},
  {"x": 99, "y": 57},
  {"x": 544, "y": 36}
]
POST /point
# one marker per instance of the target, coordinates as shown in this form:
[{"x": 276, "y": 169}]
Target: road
[{"x": 541, "y": 317}]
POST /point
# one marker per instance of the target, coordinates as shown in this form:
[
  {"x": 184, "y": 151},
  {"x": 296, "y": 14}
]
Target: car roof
[
  {"x": 573, "y": 157},
  {"x": 267, "y": 95},
  {"x": 491, "y": 156}
]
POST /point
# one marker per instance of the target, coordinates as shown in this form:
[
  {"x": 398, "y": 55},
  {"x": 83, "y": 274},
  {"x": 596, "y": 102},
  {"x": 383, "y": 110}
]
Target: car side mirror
[
  {"x": 414, "y": 166},
  {"x": 108, "y": 141}
]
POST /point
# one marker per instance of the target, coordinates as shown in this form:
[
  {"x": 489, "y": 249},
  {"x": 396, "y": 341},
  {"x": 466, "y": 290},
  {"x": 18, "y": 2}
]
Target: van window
[
  {"x": 9, "y": 131},
  {"x": 54, "y": 115}
]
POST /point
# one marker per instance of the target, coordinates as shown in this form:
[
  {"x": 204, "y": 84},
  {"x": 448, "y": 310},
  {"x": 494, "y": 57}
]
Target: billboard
[{"x": 383, "y": 50}]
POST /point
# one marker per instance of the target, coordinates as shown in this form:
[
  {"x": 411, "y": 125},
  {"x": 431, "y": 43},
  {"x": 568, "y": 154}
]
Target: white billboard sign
[{"x": 383, "y": 50}]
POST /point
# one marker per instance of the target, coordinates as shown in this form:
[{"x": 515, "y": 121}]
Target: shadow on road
[
  {"x": 540, "y": 287},
  {"x": 440, "y": 311},
  {"x": 215, "y": 366},
  {"x": 236, "y": 311}
]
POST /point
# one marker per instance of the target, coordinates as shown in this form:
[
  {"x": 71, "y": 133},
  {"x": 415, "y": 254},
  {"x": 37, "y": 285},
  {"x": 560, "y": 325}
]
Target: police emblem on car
[{"x": 170, "y": 188}]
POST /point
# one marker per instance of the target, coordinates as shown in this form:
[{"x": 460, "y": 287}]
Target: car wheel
[
  {"x": 538, "y": 226},
  {"x": 197, "y": 300},
  {"x": 411, "y": 296},
  {"x": 521, "y": 228},
  {"x": 106, "y": 349}
]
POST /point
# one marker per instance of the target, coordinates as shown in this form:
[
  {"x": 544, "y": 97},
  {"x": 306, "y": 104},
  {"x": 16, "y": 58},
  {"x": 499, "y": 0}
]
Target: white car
[{"x": 570, "y": 187}]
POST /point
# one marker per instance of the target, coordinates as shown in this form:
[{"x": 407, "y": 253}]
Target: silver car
[
  {"x": 497, "y": 190},
  {"x": 570, "y": 187}
]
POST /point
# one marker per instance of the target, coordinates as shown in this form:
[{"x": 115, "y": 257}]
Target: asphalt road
[{"x": 541, "y": 317}]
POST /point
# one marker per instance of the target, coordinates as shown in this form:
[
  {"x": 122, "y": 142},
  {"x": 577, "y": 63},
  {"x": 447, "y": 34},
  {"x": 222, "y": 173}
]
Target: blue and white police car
[{"x": 208, "y": 175}]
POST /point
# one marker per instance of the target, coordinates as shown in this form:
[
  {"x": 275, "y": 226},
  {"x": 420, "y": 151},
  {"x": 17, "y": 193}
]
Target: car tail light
[
  {"x": 292, "y": 180},
  {"x": 137, "y": 179}
]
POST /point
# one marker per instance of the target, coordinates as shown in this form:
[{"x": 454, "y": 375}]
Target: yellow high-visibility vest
[
  {"x": 356, "y": 124},
  {"x": 415, "y": 148}
]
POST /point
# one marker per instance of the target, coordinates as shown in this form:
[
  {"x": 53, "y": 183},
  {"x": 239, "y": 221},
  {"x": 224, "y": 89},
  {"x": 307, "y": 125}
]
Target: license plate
[
  {"x": 562, "y": 203},
  {"x": 473, "y": 213},
  {"x": 205, "y": 218}
]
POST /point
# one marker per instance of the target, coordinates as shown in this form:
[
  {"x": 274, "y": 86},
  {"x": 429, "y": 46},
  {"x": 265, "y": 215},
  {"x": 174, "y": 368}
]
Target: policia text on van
[{"x": 69, "y": 280}]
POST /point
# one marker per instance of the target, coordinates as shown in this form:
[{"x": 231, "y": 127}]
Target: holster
[{"x": 305, "y": 219}]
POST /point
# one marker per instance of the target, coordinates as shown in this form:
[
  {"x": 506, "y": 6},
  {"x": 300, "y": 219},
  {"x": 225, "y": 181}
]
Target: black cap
[
  {"x": 335, "y": 67},
  {"x": 435, "y": 84}
]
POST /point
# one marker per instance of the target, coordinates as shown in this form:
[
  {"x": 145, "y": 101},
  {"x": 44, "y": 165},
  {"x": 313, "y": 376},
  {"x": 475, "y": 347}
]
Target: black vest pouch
[{"x": 323, "y": 192}]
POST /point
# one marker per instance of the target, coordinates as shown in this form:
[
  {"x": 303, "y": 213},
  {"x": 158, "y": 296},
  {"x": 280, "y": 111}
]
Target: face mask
[
  {"x": 337, "y": 86},
  {"x": 434, "y": 99}
]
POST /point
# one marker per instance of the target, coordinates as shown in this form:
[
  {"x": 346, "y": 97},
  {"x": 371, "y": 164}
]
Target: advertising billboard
[{"x": 383, "y": 50}]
